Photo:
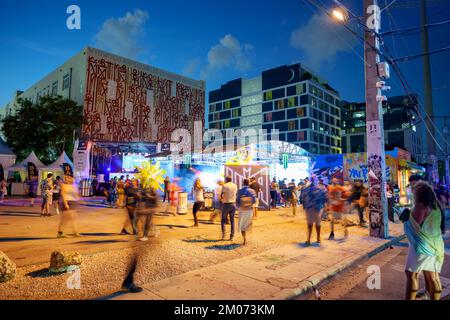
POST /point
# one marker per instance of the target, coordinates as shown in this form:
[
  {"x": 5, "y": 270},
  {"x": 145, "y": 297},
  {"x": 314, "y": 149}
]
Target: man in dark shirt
[{"x": 257, "y": 188}]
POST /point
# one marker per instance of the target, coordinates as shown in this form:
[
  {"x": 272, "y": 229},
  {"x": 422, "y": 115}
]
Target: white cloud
[
  {"x": 321, "y": 40},
  {"x": 121, "y": 36},
  {"x": 191, "y": 67},
  {"x": 228, "y": 53}
]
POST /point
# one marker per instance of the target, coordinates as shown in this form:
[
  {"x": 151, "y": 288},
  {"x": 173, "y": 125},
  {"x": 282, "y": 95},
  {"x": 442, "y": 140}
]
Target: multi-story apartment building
[
  {"x": 303, "y": 108},
  {"x": 399, "y": 117}
]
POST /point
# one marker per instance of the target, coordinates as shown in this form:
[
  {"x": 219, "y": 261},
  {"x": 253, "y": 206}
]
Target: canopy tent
[
  {"x": 7, "y": 157},
  {"x": 57, "y": 166},
  {"x": 23, "y": 165},
  {"x": 20, "y": 188}
]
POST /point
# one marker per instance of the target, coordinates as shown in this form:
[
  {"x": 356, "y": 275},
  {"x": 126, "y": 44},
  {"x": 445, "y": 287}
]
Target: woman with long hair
[
  {"x": 426, "y": 245},
  {"x": 199, "y": 200}
]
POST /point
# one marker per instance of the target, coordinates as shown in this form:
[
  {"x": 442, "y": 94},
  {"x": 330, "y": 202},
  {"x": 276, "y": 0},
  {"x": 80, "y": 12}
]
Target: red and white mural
[{"x": 130, "y": 102}]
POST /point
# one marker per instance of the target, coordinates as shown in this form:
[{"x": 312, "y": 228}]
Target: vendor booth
[
  {"x": 7, "y": 159},
  {"x": 20, "y": 172}
]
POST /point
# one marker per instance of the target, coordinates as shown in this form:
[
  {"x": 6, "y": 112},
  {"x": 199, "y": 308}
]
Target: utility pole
[
  {"x": 428, "y": 96},
  {"x": 376, "y": 160}
]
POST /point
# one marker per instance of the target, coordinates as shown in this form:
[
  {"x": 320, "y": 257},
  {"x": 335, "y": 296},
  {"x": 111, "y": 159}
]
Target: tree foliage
[{"x": 46, "y": 127}]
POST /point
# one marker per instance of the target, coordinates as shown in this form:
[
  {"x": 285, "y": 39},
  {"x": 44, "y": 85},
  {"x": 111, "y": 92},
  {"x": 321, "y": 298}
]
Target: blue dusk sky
[{"x": 216, "y": 40}]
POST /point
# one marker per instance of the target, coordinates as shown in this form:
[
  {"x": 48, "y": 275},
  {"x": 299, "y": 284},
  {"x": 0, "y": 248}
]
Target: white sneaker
[{"x": 143, "y": 239}]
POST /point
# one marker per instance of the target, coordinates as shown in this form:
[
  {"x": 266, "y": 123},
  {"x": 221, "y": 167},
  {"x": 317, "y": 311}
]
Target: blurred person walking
[
  {"x": 113, "y": 193},
  {"x": 257, "y": 188},
  {"x": 336, "y": 206},
  {"x": 69, "y": 197},
  {"x": 166, "y": 189},
  {"x": 217, "y": 201},
  {"x": 245, "y": 199},
  {"x": 229, "y": 191},
  {"x": 314, "y": 199},
  {"x": 199, "y": 200},
  {"x": 57, "y": 193},
  {"x": 121, "y": 192},
  {"x": 274, "y": 189},
  {"x": 3, "y": 190},
  {"x": 426, "y": 245},
  {"x": 147, "y": 205},
  {"x": 359, "y": 199},
  {"x": 47, "y": 195}
]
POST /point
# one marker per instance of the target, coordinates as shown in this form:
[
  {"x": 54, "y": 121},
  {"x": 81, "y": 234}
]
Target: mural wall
[
  {"x": 326, "y": 167},
  {"x": 355, "y": 167},
  {"x": 130, "y": 102}
]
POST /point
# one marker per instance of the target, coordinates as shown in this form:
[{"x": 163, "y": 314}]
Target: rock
[
  {"x": 7, "y": 268},
  {"x": 64, "y": 261}
]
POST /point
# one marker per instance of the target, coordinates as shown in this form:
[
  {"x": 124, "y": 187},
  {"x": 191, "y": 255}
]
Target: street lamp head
[{"x": 340, "y": 15}]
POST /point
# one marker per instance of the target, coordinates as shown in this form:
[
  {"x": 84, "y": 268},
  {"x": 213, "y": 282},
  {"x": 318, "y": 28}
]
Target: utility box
[{"x": 383, "y": 70}]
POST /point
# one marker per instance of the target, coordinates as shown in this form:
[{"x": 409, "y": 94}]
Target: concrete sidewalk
[{"x": 281, "y": 273}]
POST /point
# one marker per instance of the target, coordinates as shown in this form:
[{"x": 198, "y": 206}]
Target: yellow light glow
[{"x": 339, "y": 15}]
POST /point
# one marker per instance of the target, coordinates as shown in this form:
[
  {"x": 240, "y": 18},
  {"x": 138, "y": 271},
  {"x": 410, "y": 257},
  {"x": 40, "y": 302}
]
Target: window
[
  {"x": 292, "y": 102},
  {"x": 66, "y": 81},
  {"x": 210, "y": 118},
  {"x": 187, "y": 107},
  {"x": 292, "y": 125},
  {"x": 304, "y": 124},
  {"x": 277, "y": 94},
  {"x": 304, "y": 100},
  {"x": 302, "y": 136},
  {"x": 281, "y": 126},
  {"x": 301, "y": 88},
  {"x": 55, "y": 88},
  {"x": 268, "y": 117},
  {"x": 291, "y": 91},
  {"x": 235, "y": 103},
  {"x": 236, "y": 113},
  {"x": 216, "y": 116},
  {"x": 227, "y": 105},
  {"x": 301, "y": 112},
  {"x": 280, "y": 104},
  {"x": 267, "y": 106},
  {"x": 225, "y": 114},
  {"x": 278, "y": 116},
  {"x": 268, "y": 95},
  {"x": 212, "y": 108},
  {"x": 313, "y": 102},
  {"x": 226, "y": 124}
]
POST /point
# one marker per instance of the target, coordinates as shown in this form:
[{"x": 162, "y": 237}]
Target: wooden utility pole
[{"x": 376, "y": 160}]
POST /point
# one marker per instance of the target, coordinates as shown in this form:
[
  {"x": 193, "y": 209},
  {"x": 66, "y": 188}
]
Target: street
[{"x": 29, "y": 241}]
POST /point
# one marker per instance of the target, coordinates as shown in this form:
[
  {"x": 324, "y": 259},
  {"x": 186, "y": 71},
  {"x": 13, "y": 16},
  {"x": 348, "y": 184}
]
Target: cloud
[
  {"x": 321, "y": 40},
  {"x": 121, "y": 36},
  {"x": 228, "y": 53},
  {"x": 191, "y": 67}
]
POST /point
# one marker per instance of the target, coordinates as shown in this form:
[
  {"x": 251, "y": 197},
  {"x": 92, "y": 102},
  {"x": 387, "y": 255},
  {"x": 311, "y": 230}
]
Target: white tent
[
  {"x": 57, "y": 166},
  {"x": 19, "y": 188},
  {"x": 23, "y": 166},
  {"x": 7, "y": 157}
]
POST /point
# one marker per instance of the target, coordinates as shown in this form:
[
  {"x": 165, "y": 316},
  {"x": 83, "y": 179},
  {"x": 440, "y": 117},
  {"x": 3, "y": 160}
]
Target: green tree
[{"x": 48, "y": 127}]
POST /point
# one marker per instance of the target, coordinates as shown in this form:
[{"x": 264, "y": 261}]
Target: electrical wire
[
  {"x": 397, "y": 71},
  {"x": 418, "y": 29},
  {"x": 412, "y": 57}
]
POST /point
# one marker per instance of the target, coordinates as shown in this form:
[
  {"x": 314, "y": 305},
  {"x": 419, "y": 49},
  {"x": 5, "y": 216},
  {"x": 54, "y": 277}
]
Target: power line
[
  {"x": 420, "y": 28},
  {"x": 415, "y": 56},
  {"x": 397, "y": 70}
]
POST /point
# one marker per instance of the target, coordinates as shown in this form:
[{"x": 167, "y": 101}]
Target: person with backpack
[
  {"x": 274, "y": 192},
  {"x": 199, "y": 199},
  {"x": 292, "y": 196}
]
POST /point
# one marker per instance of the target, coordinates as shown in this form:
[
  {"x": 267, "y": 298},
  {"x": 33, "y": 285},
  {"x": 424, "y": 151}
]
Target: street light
[{"x": 340, "y": 14}]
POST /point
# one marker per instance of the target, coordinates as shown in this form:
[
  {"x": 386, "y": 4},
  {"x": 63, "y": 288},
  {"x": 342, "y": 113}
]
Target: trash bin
[{"x": 182, "y": 207}]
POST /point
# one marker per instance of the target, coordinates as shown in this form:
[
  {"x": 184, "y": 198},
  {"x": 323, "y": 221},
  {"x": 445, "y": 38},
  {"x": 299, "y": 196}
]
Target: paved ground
[
  {"x": 352, "y": 284},
  {"x": 209, "y": 268}
]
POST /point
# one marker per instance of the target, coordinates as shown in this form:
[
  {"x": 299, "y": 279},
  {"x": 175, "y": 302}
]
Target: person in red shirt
[{"x": 336, "y": 206}]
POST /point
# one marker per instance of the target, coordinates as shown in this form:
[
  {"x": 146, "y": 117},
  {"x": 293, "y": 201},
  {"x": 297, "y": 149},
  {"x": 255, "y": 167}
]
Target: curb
[{"x": 310, "y": 284}]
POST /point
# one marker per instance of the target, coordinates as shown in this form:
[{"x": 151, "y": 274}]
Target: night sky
[{"x": 215, "y": 40}]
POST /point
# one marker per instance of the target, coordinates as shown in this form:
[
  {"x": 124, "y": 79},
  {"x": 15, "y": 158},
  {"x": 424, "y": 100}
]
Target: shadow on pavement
[
  {"x": 173, "y": 226},
  {"x": 224, "y": 247},
  {"x": 22, "y": 214},
  {"x": 100, "y": 241},
  {"x": 43, "y": 273},
  {"x": 23, "y": 239},
  {"x": 201, "y": 241}
]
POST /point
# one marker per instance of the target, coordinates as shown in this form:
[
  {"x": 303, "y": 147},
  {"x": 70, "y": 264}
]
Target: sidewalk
[{"x": 281, "y": 273}]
